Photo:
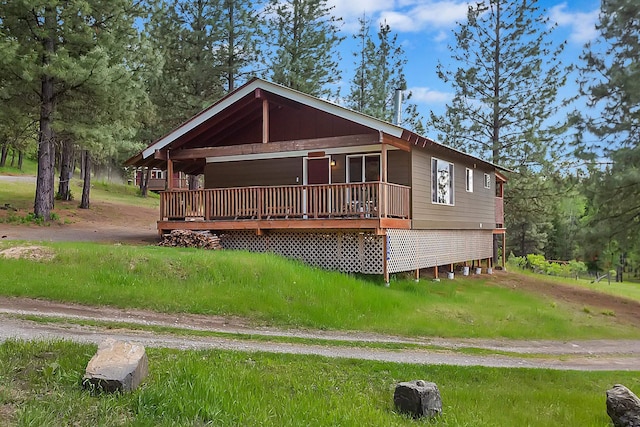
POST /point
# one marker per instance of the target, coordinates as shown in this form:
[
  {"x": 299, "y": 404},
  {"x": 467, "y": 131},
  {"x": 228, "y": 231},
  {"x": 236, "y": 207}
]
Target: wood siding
[
  {"x": 253, "y": 173},
  {"x": 471, "y": 210}
]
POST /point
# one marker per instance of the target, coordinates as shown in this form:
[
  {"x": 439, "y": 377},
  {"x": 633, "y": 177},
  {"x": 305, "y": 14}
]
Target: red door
[
  {"x": 318, "y": 171},
  {"x": 317, "y": 197}
]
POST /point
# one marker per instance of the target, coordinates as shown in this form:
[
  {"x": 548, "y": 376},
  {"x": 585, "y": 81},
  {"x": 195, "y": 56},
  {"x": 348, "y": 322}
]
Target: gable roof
[{"x": 256, "y": 84}]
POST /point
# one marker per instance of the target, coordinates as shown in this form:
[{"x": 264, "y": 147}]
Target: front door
[
  {"x": 318, "y": 173},
  {"x": 318, "y": 170}
]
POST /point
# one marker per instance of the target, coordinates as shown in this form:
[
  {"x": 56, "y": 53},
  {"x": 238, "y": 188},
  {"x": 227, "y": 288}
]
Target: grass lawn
[
  {"x": 20, "y": 195},
  {"x": 40, "y": 385},
  {"x": 29, "y": 167},
  {"x": 269, "y": 289}
]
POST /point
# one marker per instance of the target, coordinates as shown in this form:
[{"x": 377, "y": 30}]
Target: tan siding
[
  {"x": 253, "y": 172},
  {"x": 474, "y": 210}
]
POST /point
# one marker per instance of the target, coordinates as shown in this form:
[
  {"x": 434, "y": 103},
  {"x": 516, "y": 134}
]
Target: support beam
[
  {"x": 385, "y": 266},
  {"x": 504, "y": 251},
  {"x": 275, "y": 147},
  {"x": 265, "y": 121},
  {"x": 169, "y": 172}
]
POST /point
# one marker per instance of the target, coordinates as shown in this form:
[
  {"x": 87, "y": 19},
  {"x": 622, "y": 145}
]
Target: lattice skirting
[
  {"x": 348, "y": 252},
  {"x": 412, "y": 249},
  {"x": 407, "y": 250}
]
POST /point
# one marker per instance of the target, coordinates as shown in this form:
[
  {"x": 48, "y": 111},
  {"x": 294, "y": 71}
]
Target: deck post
[
  {"x": 169, "y": 172},
  {"x": 385, "y": 264},
  {"x": 435, "y": 273},
  {"x": 382, "y": 192},
  {"x": 416, "y": 276},
  {"x": 504, "y": 251},
  {"x": 265, "y": 121}
]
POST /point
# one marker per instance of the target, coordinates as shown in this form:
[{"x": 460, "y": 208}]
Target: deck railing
[{"x": 356, "y": 200}]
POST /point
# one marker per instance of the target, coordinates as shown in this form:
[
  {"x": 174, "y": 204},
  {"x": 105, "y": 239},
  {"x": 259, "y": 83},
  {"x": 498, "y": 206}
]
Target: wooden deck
[{"x": 373, "y": 205}]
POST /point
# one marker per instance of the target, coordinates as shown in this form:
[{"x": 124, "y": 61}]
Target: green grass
[
  {"x": 269, "y": 289},
  {"x": 29, "y": 167},
  {"x": 40, "y": 385},
  {"x": 20, "y": 195}
]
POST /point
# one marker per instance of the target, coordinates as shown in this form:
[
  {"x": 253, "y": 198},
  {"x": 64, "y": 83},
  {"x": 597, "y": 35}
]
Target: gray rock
[
  {"x": 623, "y": 407},
  {"x": 116, "y": 366},
  {"x": 418, "y": 398}
]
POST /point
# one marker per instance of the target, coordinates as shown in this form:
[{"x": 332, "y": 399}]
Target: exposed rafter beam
[{"x": 272, "y": 147}]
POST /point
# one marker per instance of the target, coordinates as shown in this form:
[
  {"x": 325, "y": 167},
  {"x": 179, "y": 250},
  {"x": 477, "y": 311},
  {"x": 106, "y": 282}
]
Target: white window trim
[
  {"x": 451, "y": 182},
  {"x": 487, "y": 181},
  {"x": 468, "y": 176},
  {"x": 347, "y": 171}
]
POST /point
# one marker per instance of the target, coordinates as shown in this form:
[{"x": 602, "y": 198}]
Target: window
[
  {"x": 363, "y": 168},
  {"x": 441, "y": 182},
  {"x": 157, "y": 174},
  {"x": 487, "y": 180},
  {"x": 469, "y": 173}
]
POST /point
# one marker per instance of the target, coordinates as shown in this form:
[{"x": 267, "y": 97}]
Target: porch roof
[{"x": 245, "y": 107}]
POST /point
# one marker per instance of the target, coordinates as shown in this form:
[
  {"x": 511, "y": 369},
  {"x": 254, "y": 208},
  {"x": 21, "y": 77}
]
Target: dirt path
[
  {"x": 574, "y": 355},
  {"x": 624, "y": 310}
]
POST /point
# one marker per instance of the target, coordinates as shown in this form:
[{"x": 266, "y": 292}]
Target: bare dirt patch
[
  {"x": 104, "y": 222},
  {"x": 33, "y": 253},
  {"x": 625, "y": 310}
]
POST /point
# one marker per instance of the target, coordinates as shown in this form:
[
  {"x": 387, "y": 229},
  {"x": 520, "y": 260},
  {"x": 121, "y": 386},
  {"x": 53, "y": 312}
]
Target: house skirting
[{"x": 366, "y": 252}]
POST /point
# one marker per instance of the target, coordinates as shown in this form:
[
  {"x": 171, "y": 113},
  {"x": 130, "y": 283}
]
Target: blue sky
[{"x": 424, "y": 29}]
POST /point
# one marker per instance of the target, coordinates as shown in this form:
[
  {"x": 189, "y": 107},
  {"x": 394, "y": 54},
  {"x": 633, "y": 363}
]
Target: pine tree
[
  {"x": 184, "y": 76},
  {"x": 379, "y": 73},
  {"x": 238, "y": 50},
  {"x": 306, "y": 41},
  {"x": 506, "y": 79},
  {"x": 68, "y": 48},
  {"x": 610, "y": 78}
]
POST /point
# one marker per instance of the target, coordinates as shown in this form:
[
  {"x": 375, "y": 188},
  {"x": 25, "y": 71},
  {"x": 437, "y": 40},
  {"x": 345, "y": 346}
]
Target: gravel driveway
[{"x": 596, "y": 355}]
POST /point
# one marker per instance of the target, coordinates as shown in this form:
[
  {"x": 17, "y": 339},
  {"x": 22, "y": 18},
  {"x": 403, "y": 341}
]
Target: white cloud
[
  {"x": 441, "y": 36},
  {"x": 426, "y": 15},
  {"x": 582, "y": 24},
  {"x": 402, "y": 15},
  {"x": 425, "y": 95}
]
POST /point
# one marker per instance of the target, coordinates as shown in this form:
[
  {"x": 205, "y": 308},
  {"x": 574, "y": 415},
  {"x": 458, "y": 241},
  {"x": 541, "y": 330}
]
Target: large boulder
[
  {"x": 623, "y": 407},
  {"x": 418, "y": 398},
  {"x": 116, "y": 366}
]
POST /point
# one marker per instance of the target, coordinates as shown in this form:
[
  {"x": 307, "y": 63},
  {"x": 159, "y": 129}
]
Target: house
[
  {"x": 158, "y": 179},
  {"x": 293, "y": 174}
]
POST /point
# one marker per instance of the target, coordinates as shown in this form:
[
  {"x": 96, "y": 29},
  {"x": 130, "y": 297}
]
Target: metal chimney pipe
[{"x": 397, "y": 107}]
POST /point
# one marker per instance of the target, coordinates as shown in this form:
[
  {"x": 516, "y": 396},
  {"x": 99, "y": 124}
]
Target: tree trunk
[
  {"x": 66, "y": 171},
  {"x": 3, "y": 154},
  {"x": 145, "y": 175},
  {"x": 43, "y": 202},
  {"x": 86, "y": 178},
  {"x": 20, "y": 159},
  {"x": 13, "y": 157}
]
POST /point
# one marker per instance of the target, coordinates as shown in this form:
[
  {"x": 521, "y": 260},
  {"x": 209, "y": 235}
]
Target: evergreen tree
[
  {"x": 379, "y": 72},
  {"x": 610, "y": 78},
  {"x": 506, "y": 80},
  {"x": 238, "y": 48},
  {"x": 185, "y": 76},
  {"x": 65, "y": 48},
  {"x": 306, "y": 41}
]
